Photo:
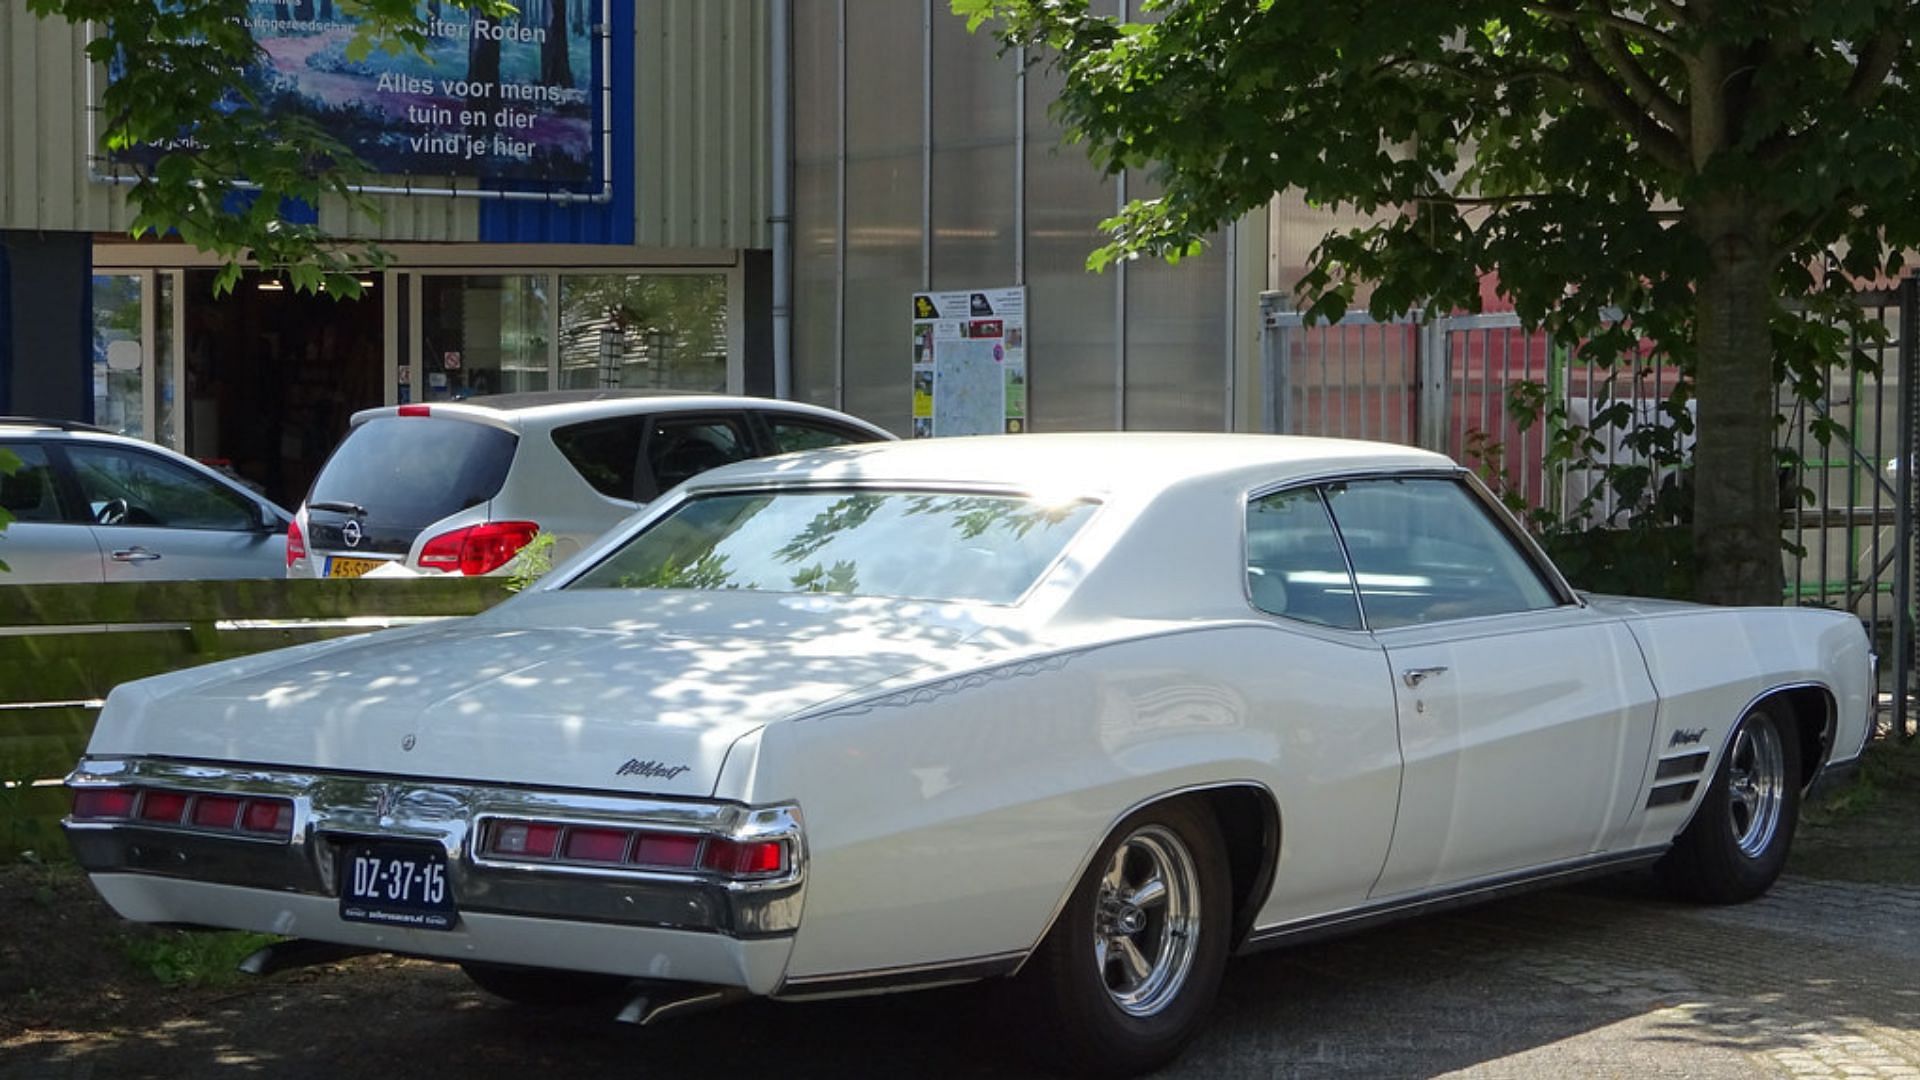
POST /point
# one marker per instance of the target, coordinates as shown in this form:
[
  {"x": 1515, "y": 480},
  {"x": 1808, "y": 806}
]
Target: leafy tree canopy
[
  {"x": 1716, "y": 171},
  {"x": 178, "y": 68}
]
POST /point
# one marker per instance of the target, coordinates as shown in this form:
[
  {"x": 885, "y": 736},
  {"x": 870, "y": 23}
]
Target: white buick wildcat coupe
[{"x": 1095, "y": 712}]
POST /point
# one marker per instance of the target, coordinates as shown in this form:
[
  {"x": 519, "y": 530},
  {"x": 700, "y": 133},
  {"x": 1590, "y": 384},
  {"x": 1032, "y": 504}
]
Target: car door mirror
[{"x": 267, "y": 521}]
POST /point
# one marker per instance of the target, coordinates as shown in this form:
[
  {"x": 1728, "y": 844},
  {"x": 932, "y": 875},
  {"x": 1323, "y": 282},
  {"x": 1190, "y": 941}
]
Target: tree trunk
[{"x": 1736, "y": 502}]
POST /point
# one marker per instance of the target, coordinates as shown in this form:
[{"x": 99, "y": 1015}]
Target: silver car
[
  {"x": 461, "y": 487},
  {"x": 92, "y": 506}
]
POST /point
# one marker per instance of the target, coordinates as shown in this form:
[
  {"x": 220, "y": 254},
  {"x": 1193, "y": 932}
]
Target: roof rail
[{"x": 57, "y": 425}]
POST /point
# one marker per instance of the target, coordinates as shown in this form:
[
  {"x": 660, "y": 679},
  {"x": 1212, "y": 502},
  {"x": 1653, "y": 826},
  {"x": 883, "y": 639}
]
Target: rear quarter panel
[{"x": 949, "y": 820}]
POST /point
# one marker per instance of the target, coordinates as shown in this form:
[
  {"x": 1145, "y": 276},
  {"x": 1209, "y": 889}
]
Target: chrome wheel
[
  {"x": 1147, "y": 923},
  {"x": 1756, "y": 787}
]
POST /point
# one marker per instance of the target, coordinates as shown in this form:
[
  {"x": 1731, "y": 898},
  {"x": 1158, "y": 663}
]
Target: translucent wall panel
[
  {"x": 884, "y": 91},
  {"x": 974, "y": 193},
  {"x": 1177, "y": 339},
  {"x": 816, "y": 204},
  {"x": 1072, "y": 354}
]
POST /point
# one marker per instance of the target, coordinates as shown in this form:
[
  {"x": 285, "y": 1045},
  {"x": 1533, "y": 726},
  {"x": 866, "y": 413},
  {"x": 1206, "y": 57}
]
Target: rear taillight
[
  {"x": 103, "y": 804},
  {"x": 633, "y": 849},
  {"x": 745, "y": 858},
  {"x": 256, "y": 815},
  {"x": 415, "y": 410},
  {"x": 477, "y": 549},
  {"x": 296, "y": 543},
  {"x": 164, "y": 807}
]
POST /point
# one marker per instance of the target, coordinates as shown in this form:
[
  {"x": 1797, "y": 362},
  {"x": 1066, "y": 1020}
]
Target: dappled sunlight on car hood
[{"x": 565, "y": 689}]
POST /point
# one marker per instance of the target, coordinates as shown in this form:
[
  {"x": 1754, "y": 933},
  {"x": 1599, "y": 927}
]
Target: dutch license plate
[
  {"x": 396, "y": 884},
  {"x": 339, "y": 567}
]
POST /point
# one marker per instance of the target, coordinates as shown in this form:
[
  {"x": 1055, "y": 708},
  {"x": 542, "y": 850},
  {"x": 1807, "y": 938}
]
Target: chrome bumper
[{"x": 331, "y": 810}]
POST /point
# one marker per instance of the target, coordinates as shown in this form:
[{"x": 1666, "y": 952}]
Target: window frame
[
  {"x": 67, "y": 496},
  {"x": 1504, "y": 523},
  {"x": 647, "y": 486},
  {"x": 1339, "y": 543},
  {"x": 258, "y": 514}
]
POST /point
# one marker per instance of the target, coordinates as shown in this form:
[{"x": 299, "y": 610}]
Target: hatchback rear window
[{"x": 411, "y": 471}]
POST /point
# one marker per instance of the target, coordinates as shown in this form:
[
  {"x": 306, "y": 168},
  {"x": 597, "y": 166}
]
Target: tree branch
[
  {"x": 1870, "y": 74},
  {"x": 1663, "y": 145},
  {"x": 1634, "y": 28},
  {"x": 1650, "y": 94},
  {"x": 1671, "y": 10}
]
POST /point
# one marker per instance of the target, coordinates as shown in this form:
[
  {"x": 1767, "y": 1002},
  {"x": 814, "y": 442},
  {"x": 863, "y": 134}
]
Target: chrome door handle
[
  {"x": 136, "y": 554},
  {"x": 1413, "y": 677}
]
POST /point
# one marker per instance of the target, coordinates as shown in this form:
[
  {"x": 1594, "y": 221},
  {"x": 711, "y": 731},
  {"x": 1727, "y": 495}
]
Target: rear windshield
[
  {"x": 914, "y": 544},
  {"x": 412, "y": 471}
]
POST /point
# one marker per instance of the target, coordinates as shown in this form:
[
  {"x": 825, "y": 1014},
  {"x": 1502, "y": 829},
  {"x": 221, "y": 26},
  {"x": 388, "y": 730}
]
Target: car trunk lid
[{"x": 650, "y": 704}]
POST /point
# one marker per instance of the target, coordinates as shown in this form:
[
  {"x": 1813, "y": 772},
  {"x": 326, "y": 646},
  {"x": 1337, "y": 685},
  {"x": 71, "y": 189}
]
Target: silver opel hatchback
[{"x": 461, "y": 487}]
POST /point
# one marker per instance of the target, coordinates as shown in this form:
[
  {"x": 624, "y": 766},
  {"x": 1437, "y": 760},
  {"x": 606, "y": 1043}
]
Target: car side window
[
  {"x": 606, "y": 453},
  {"x": 1294, "y": 565},
  {"x": 28, "y": 492},
  {"x": 128, "y": 487},
  {"x": 679, "y": 449},
  {"x": 1426, "y": 550},
  {"x": 792, "y": 433}
]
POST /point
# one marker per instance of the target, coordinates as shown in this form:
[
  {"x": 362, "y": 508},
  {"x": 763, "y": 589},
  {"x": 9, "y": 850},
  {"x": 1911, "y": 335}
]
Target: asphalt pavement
[{"x": 1604, "y": 980}]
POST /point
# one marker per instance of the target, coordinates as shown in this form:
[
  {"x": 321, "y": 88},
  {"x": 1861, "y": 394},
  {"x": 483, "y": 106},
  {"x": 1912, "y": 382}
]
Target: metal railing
[{"x": 1447, "y": 384}]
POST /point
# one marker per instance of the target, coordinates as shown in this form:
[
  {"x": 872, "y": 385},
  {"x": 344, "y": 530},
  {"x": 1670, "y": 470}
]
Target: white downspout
[{"x": 781, "y": 76}]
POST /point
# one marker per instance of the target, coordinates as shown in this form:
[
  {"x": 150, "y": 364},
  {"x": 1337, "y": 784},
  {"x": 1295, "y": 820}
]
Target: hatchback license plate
[
  {"x": 340, "y": 567},
  {"x": 396, "y": 885}
]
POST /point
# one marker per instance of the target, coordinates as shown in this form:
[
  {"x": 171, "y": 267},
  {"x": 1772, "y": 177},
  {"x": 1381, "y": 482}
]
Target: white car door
[{"x": 1525, "y": 720}]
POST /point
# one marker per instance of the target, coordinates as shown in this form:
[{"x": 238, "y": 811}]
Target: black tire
[
  {"x": 1737, "y": 843},
  {"x": 543, "y": 988},
  {"x": 1091, "y": 1019}
]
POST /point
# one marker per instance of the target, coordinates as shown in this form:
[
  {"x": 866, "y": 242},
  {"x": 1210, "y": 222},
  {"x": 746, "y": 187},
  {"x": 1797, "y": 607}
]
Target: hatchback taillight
[
  {"x": 296, "y": 543},
  {"x": 477, "y": 549}
]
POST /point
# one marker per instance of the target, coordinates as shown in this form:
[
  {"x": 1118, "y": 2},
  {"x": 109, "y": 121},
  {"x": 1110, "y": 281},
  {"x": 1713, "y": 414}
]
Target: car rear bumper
[
  {"x": 755, "y": 965},
  {"x": 691, "y": 925}
]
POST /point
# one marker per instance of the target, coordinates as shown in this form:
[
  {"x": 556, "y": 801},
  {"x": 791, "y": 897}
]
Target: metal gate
[{"x": 1446, "y": 384}]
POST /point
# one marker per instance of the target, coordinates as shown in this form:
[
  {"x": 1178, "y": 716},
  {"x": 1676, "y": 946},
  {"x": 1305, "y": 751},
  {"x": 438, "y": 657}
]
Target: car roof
[
  {"x": 1091, "y": 464},
  {"x": 550, "y": 408},
  {"x": 38, "y": 424}
]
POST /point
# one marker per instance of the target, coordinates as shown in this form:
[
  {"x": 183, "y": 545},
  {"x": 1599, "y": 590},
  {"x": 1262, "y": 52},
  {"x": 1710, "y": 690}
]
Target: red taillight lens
[
  {"x": 523, "y": 839},
  {"x": 97, "y": 804},
  {"x": 415, "y": 410},
  {"x": 666, "y": 850},
  {"x": 597, "y": 845},
  {"x": 163, "y": 806},
  {"x": 216, "y": 812},
  {"x": 268, "y": 816},
  {"x": 742, "y": 858},
  {"x": 478, "y": 549},
  {"x": 296, "y": 543}
]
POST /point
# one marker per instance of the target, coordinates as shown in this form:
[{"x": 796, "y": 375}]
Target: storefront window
[
  {"x": 643, "y": 331},
  {"x": 482, "y": 335},
  {"x": 166, "y": 414},
  {"x": 119, "y": 356}
]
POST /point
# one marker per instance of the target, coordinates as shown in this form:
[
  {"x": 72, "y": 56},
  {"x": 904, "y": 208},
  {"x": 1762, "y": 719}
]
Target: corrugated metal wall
[
  {"x": 699, "y": 146},
  {"x": 43, "y": 129},
  {"x": 704, "y": 171}
]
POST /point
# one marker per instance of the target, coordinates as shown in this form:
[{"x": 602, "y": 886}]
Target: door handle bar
[
  {"x": 135, "y": 555},
  {"x": 1413, "y": 677}
]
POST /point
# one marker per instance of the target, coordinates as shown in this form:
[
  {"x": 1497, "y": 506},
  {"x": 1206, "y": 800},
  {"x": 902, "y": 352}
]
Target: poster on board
[
  {"x": 512, "y": 101},
  {"x": 970, "y": 362}
]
